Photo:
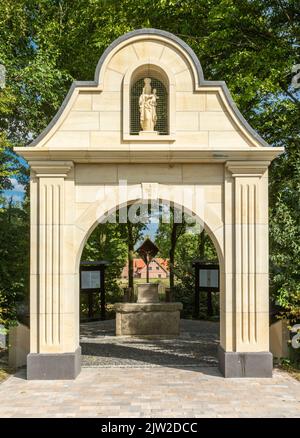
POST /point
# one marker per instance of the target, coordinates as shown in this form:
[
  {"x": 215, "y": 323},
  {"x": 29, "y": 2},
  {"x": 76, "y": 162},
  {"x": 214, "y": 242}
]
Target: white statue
[{"x": 147, "y": 104}]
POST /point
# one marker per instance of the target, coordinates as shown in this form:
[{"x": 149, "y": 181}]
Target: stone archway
[
  {"x": 180, "y": 343},
  {"x": 77, "y": 165}
]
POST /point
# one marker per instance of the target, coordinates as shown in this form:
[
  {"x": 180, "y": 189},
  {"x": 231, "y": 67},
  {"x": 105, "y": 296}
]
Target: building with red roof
[{"x": 158, "y": 268}]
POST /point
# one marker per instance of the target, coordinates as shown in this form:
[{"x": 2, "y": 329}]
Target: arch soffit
[
  {"x": 163, "y": 70},
  {"x": 168, "y": 39},
  {"x": 91, "y": 217}
]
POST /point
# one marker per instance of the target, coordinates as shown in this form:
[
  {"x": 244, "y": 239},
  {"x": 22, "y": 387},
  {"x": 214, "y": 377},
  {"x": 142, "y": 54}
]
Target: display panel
[
  {"x": 90, "y": 279},
  {"x": 209, "y": 278}
]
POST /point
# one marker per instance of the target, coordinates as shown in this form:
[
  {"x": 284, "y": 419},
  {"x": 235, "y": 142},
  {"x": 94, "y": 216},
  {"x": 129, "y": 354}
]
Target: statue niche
[{"x": 147, "y": 105}]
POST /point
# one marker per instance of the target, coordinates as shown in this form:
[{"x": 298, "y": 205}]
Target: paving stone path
[
  {"x": 196, "y": 346},
  {"x": 150, "y": 379},
  {"x": 151, "y": 392}
]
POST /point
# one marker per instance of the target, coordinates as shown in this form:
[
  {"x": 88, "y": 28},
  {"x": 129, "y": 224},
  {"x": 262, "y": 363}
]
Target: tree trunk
[
  {"x": 202, "y": 238},
  {"x": 201, "y": 250},
  {"x": 210, "y": 310},
  {"x": 130, "y": 242},
  {"x": 172, "y": 254},
  {"x": 10, "y": 203}
]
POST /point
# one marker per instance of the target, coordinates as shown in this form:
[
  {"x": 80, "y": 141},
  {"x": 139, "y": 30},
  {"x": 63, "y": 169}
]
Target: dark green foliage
[
  {"x": 114, "y": 243},
  {"x": 106, "y": 243},
  {"x": 187, "y": 250},
  {"x": 14, "y": 256}
]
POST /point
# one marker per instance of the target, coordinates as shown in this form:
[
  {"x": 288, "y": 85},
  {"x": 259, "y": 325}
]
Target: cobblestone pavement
[
  {"x": 197, "y": 345},
  {"x": 133, "y": 385},
  {"x": 151, "y": 392}
]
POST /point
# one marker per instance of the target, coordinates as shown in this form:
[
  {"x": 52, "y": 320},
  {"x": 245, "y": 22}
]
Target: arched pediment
[
  {"x": 94, "y": 118},
  {"x": 148, "y": 46}
]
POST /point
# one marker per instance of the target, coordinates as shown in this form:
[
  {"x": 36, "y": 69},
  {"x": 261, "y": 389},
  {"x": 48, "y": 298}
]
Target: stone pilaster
[
  {"x": 249, "y": 270},
  {"x": 50, "y": 316}
]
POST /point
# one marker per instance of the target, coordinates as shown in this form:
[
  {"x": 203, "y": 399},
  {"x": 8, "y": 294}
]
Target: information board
[
  {"x": 90, "y": 279},
  {"x": 209, "y": 278}
]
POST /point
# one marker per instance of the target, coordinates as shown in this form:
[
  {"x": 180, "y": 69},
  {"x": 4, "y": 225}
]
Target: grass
[
  {"x": 164, "y": 281},
  {"x": 294, "y": 372},
  {"x": 4, "y": 374},
  {"x": 5, "y": 370}
]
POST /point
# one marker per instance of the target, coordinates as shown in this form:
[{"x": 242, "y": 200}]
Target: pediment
[{"x": 95, "y": 116}]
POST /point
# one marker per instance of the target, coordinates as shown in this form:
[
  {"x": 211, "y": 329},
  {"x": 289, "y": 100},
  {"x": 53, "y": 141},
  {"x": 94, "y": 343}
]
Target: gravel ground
[{"x": 196, "y": 346}]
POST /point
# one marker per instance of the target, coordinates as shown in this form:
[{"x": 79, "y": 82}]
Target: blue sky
[
  {"x": 150, "y": 230},
  {"x": 17, "y": 192}
]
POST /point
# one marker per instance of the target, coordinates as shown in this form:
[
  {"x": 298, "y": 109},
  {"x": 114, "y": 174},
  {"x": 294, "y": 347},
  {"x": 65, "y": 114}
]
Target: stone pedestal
[
  {"x": 148, "y": 133},
  {"x": 244, "y": 364},
  {"x": 157, "y": 319},
  {"x": 54, "y": 366},
  {"x": 147, "y": 317},
  {"x": 147, "y": 293}
]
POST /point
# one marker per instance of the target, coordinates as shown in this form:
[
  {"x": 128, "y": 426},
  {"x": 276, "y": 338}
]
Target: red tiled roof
[
  {"x": 139, "y": 267},
  {"x": 162, "y": 262},
  {"x": 140, "y": 264}
]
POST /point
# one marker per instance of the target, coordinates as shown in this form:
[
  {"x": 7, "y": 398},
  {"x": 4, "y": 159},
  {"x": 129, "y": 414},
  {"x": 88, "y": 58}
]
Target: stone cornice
[
  {"x": 51, "y": 168},
  {"x": 145, "y": 155},
  {"x": 247, "y": 168}
]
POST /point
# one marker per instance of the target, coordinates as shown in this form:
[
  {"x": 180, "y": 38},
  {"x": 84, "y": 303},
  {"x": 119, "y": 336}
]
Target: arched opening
[
  {"x": 199, "y": 339},
  {"x": 160, "y": 85}
]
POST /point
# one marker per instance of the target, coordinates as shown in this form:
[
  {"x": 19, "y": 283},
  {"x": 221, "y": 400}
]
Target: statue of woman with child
[{"x": 147, "y": 104}]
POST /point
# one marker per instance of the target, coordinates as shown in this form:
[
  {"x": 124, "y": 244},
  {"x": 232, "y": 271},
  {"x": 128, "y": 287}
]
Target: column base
[
  {"x": 54, "y": 366},
  {"x": 235, "y": 364}
]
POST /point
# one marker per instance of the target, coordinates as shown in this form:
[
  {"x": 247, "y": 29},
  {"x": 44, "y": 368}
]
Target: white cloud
[
  {"x": 17, "y": 197},
  {"x": 16, "y": 186},
  {"x": 16, "y": 193}
]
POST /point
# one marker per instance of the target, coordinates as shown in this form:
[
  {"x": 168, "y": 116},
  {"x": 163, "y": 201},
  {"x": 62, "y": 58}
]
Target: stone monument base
[
  {"x": 244, "y": 364},
  {"x": 149, "y": 134},
  {"x": 147, "y": 319}
]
